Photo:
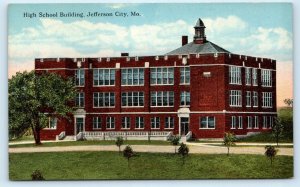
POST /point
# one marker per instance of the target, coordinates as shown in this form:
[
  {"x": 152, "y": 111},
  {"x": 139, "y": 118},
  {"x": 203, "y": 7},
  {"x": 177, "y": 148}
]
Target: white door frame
[{"x": 182, "y": 112}]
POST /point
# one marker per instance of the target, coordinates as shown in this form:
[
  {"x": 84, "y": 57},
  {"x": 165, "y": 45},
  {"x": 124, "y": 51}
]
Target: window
[
  {"x": 235, "y": 98},
  {"x": 110, "y": 122},
  {"x": 104, "y": 99},
  {"x": 248, "y": 76},
  {"x": 155, "y": 122},
  {"x": 254, "y": 77},
  {"x": 133, "y": 76},
  {"x": 256, "y": 122},
  {"x": 161, "y": 76},
  {"x": 133, "y": 99},
  {"x": 255, "y": 99},
  {"x": 235, "y": 75},
  {"x": 233, "y": 122},
  {"x": 265, "y": 122},
  {"x": 185, "y": 99},
  {"x": 103, "y": 77},
  {"x": 79, "y": 101},
  {"x": 139, "y": 122},
  {"x": 96, "y": 123},
  {"x": 207, "y": 122},
  {"x": 185, "y": 75},
  {"x": 248, "y": 99},
  {"x": 271, "y": 121},
  {"x": 52, "y": 123},
  {"x": 79, "y": 77},
  {"x": 169, "y": 123},
  {"x": 240, "y": 122},
  {"x": 162, "y": 98},
  {"x": 267, "y": 99},
  {"x": 249, "y": 122},
  {"x": 125, "y": 123},
  {"x": 266, "y": 77}
]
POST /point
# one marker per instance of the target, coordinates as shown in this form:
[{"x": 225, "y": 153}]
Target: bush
[{"x": 37, "y": 176}]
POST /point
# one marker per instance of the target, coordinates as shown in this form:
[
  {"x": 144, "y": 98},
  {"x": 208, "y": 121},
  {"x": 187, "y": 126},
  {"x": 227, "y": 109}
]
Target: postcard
[{"x": 150, "y": 91}]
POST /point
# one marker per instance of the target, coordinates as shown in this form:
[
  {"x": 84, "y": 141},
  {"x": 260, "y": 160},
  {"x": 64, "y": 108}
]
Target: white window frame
[
  {"x": 266, "y": 78},
  {"x": 255, "y": 99},
  {"x": 248, "y": 99},
  {"x": 79, "y": 77},
  {"x": 267, "y": 99},
  {"x": 271, "y": 121},
  {"x": 256, "y": 122},
  {"x": 265, "y": 122},
  {"x": 233, "y": 122},
  {"x": 155, "y": 123},
  {"x": 126, "y": 122},
  {"x": 249, "y": 122},
  {"x": 50, "y": 121},
  {"x": 240, "y": 122},
  {"x": 162, "y": 99},
  {"x": 158, "y": 75},
  {"x": 254, "y": 77},
  {"x": 185, "y": 75},
  {"x": 101, "y": 74},
  {"x": 79, "y": 101},
  {"x": 235, "y": 75},
  {"x": 110, "y": 122},
  {"x": 235, "y": 98},
  {"x": 104, "y": 96},
  {"x": 131, "y": 97},
  {"x": 169, "y": 123},
  {"x": 132, "y": 76},
  {"x": 139, "y": 122},
  {"x": 248, "y": 76},
  {"x": 97, "y": 123},
  {"x": 207, "y": 118},
  {"x": 186, "y": 98}
]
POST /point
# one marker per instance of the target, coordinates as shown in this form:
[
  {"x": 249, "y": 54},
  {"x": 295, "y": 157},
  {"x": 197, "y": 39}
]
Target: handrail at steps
[{"x": 62, "y": 135}]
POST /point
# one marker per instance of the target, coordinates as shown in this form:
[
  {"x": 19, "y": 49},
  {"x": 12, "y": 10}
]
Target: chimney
[
  {"x": 124, "y": 54},
  {"x": 184, "y": 40}
]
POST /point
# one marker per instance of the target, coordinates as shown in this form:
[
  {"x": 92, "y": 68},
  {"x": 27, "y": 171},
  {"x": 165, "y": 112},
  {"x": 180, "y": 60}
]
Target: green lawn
[
  {"x": 100, "y": 142},
  {"x": 111, "y": 165},
  {"x": 265, "y": 137}
]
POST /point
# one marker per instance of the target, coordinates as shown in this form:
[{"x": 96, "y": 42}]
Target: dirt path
[{"x": 201, "y": 148}]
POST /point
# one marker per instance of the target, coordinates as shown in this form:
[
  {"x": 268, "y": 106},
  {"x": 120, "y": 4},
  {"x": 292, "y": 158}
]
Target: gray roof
[
  {"x": 199, "y": 23},
  {"x": 192, "y": 48}
]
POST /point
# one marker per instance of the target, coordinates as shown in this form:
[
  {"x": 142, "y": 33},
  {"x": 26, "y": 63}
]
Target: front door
[
  {"x": 79, "y": 125},
  {"x": 184, "y": 125}
]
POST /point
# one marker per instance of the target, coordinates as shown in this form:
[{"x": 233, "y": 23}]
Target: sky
[{"x": 254, "y": 29}]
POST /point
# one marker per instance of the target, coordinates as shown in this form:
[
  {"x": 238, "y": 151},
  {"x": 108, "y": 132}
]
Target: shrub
[{"x": 37, "y": 175}]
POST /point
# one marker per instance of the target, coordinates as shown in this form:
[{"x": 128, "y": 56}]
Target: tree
[
  {"x": 128, "y": 153},
  {"x": 277, "y": 129},
  {"x": 270, "y": 152},
  {"x": 183, "y": 150},
  {"x": 289, "y": 102},
  {"x": 119, "y": 142},
  {"x": 229, "y": 140},
  {"x": 34, "y": 98},
  {"x": 175, "y": 141}
]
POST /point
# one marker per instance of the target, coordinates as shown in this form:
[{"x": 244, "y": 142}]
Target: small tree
[
  {"x": 183, "y": 150},
  {"x": 175, "y": 141},
  {"x": 37, "y": 175},
  {"x": 128, "y": 153},
  {"x": 229, "y": 140},
  {"x": 270, "y": 152},
  {"x": 277, "y": 129},
  {"x": 119, "y": 142},
  {"x": 289, "y": 102}
]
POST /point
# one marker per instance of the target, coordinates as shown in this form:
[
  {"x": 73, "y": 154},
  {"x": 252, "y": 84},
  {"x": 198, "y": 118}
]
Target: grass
[
  {"x": 111, "y": 165},
  {"x": 99, "y": 142},
  {"x": 23, "y": 138},
  {"x": 264, "y": 137}
]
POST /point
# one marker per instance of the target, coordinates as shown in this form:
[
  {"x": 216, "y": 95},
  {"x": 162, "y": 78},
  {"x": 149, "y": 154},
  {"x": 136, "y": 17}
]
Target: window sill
[
  {"x": 185, "y": 106},
  {"x": 161, "y": 84},
  {"x": 169, "y": 128},
  {"x": 132, "y": 106},
  {"x": 182, "y": 84},
  {"x": 104, "y": 107},
  {"x": 139, "y": 128},
  {"x": 97, "y": 128},
  {"x": 207, "y": 128},
  {"x": 161, "y": 106},
  {"x": 125, "y": 128},
  {"x": 49, "y": 129},
  {"x": 234, "y": 106},
  {"x": 133, "y": 85},
  {"x": 103, "y": 85}
]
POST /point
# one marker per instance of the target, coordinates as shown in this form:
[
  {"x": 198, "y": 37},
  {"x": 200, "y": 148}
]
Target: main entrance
[
  {"x": 184, "y": 125},
  {"x": 79, "y": 125}
]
